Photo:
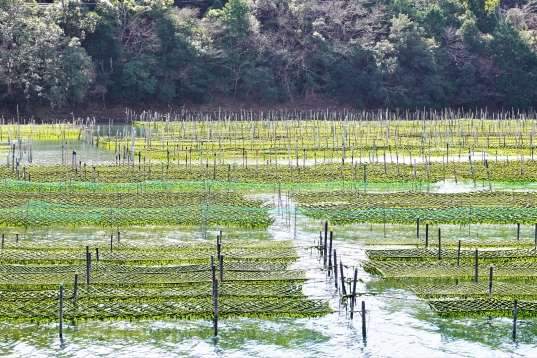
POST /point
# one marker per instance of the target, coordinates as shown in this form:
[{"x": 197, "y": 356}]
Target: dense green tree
[
  {"x": 38, "y": 61},
  {"x": 364, "y": 53}
]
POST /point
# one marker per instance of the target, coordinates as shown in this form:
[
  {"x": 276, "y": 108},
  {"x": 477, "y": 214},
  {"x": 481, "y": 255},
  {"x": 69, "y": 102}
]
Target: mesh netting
[
  {"x": 433, "y": 254},
  {"x": 47, "y": 310},
  {"x": 478, "y": 307}
]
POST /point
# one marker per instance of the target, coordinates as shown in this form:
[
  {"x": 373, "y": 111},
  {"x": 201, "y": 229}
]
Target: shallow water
[{"x": 398, "y": 324}]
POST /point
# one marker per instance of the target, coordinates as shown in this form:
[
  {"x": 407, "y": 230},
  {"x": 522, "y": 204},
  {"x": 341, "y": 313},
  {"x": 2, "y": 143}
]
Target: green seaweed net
[
  {"x": 137, "y": 281},
  {"x": 462, "y": 283},
  {"x": 344, "y": 207},
  {"x": 110, "y": 209}
]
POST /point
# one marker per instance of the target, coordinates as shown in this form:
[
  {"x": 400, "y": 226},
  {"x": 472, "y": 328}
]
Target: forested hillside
[{"x": 363, "y": 53}]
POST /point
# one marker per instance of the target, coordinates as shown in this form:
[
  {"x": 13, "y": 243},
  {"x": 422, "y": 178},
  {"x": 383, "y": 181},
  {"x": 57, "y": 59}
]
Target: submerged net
[{"x": 173, "y": 282}]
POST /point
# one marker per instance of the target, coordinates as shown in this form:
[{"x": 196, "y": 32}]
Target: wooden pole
[
  {"x": 353, "y": 296},
  {"x": 60, "y": 312},
  {"x": 88, "y": 266},
  {"x": 515, "y": 317},
  {"x": 418, "y": 228},
  {"x": 518, "y": 232},
  {"x": 335, "y": 269},
  {"x": 325, "y": 249},
  {"x": 364, "y": 331},
  {"x": 426, "y": 235},
  {"x": 342, "y": 274},
  {"x": 215, "y": 297},
  {"x": 330, "y": 254}
]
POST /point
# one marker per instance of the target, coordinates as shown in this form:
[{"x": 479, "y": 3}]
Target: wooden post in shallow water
[
  {"x": 4, "y": 239},
  {"x": 515, "y": 317},
  {"x": 364, "y": 331},
  {"x": 88, "y": 266},
  {"x": 517, "y": 232},
  {"x": 426, "y": 235},
  {"x": 325, "y": 249},
  {"x": 330, "y": 254},
  {"x": 353, "y": 296},
  {"x": 215, "y": 308},
  {"x": 439, "y": 245},
  {"x": 214, "y": 295},
  {"x": 60, "y": 313},
  {"x": 343, "y": 289},
  {"x": 335, "y": 269},
  {"x": 418, "y": 228}
]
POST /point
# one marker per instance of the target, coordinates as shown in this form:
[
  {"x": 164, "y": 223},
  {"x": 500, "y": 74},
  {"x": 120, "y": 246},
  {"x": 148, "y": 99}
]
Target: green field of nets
[
  {"x": 242, "y": 174},
  {"x": 132, "y": 282}
]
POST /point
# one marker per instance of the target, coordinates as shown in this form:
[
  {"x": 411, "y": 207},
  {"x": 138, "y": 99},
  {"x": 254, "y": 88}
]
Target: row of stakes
[
  {"x": 330, "y": 263},
  {"x": 214, "y": 279}
]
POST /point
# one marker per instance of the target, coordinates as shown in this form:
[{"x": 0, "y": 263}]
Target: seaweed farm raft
[{"x": 261, "y": 234}]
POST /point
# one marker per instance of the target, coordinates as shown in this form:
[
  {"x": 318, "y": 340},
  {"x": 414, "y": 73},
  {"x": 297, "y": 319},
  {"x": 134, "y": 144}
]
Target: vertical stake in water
[
  {"x": 353, "y": 296},
  {"x": 364, "y": 331},
  {"x": 60, "y": 314},
  {"x": 88, "y": 266},
  {"x": 343, "y": 289},
  {"x": 517, "y": 232},
  {"x": 418, "y": 228},
  {"x": 335, "y": 269},
  {"x": 325, "y": 249},
  {"x": 515, "y": 317},
  {"x": 330, "y": 254},
  {"x": 215, "y": 297}
]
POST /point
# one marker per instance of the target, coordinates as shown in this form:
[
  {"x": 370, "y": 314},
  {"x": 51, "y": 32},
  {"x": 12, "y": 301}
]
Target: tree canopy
[{"x": 363, "y": 53}]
